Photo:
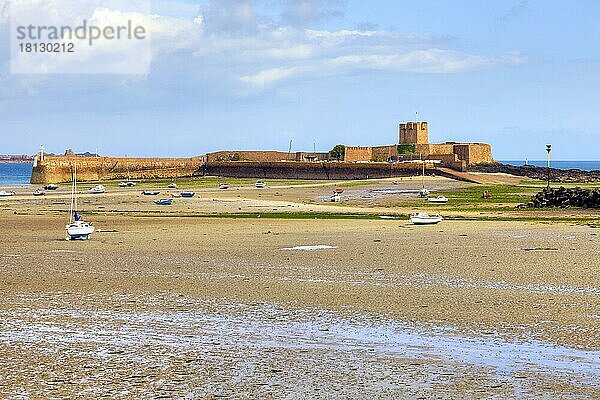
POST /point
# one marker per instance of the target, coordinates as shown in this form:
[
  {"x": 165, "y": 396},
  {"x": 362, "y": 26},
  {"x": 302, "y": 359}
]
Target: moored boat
[
  {"x": 187, "y": 194},
  {"x": 97, "y": 189},
  {"x": 163, "y": 202},
  {"x": 150, "y": 193},
  {"x": 438, "y": 200},
  {"x": 260, "y": 185},
  {"x": 338, "y": 191},
  {"x": 51, "y": 186},
  {"x": 39, "y": 192},
  {"x": 77, "y": 228},
  {"x": 224, "y": 186},
  {"x": 172, "y": 186},
  {"x": 335, "y": 198},
  {"x": 4, "y": 193},
  {"x": 123, "y": 184},
  {"x": 422, "y": 218}
]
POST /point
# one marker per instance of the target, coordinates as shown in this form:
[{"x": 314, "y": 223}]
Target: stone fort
[
  {"x": 413, "y": 142},
  {"x": 360, "y": 162}
]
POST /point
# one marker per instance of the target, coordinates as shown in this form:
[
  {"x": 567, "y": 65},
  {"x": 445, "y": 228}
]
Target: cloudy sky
[{"x": 252, "y": 74}]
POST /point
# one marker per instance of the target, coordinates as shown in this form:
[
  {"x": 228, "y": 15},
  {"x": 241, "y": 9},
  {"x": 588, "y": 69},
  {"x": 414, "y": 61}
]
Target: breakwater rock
[
  {"x": 566, "y": 197},
  {"x": 540, "y": 173}
]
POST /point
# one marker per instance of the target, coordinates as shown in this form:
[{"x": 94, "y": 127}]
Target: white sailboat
[{"x": 77, "y": 228}]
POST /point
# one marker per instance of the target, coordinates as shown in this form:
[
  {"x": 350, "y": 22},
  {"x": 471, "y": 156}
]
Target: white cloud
[
  {"x": 268, "y": 77},
  {"x": 229, "y": 41}
]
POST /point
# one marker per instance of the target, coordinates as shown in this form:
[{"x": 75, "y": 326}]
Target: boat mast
[
  {"x": 72, "y": 197},
  {"x": 423, "y": 175},
  {"x": 75, "y": 185}
]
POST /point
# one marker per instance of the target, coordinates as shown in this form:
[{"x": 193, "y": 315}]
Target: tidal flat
[{"x": 167, "y": 306}]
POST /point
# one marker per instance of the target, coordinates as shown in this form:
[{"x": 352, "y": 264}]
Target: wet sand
[{"x": 160, "y": 306}]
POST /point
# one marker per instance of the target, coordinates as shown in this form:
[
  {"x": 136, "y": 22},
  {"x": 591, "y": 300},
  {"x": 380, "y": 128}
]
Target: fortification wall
[
  {"x": 57, "y": 169},
  {"x": 383, "y": 153},
  {"x": 358, "y": 153},
  {"x": 299, "y": 170},
  {"x": 476, "y": 153},
  {"x": 263, "y": 156}
]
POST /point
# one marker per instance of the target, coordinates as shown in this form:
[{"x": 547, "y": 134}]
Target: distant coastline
[{"x": 16, "y": 159}]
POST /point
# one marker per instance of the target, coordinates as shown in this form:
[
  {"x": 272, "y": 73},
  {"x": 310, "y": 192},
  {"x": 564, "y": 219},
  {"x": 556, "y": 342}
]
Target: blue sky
[{"x": 257, "y": 74}]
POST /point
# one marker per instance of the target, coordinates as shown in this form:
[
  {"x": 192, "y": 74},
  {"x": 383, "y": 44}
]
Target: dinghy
[
  {"x": 336, "y": 198},
  {"x": 51, "y": 187},
  {"x": 163, "y": 202},
  {"x": 187, "y": 194},
  {"x": 223, "y": 186},
  {"x": 4, "y": 193},
  {"x": 172, "y": 186},
  {"x": 77, "y": 228},
  {"x": 422, "y": 218},
  {"x": 150, "y": 193},
  {"x": 260, "y": 185},
  {"x": 39, "y": 192}
]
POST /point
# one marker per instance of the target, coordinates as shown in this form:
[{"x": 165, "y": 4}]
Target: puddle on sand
[
  {"x": 309, "y": 248},
  {"x": 223, "y": 338}
]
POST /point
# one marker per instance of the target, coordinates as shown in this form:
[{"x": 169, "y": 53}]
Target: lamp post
[{"x": 548, "y": 149}]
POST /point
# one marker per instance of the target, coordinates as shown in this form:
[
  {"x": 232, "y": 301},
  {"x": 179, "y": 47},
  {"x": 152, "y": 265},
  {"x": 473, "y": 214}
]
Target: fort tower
[{"x": 413, "y": 133}]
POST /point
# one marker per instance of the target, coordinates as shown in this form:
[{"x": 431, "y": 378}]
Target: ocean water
[
  {"x": 582, "y": 165},
  {"x": 15, "y": 174}
]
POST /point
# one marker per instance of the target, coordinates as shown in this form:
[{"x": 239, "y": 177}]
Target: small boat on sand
[
  {"x": 223, "y": 186},
  {"x": 260, "y": 185},
  {"x": 150, "y": 193},
  {"x": 39, "y": 192},
  {"x": 51, "y": 186},
  {"x": 126, "y": 184},
  {"x": 4, "y": 193},
  {"x": 97, "y": 189},
  {"x": 422, "y": 218},
  {"x": 163, "y": 202},
  {"x": 338, "y": 191},
  {"x": 77, "y": 228},
  {"x": 438, "y": 200},
  {"x": 172, "y": 186},
  {"x": 336, "y": 198},
  {"x": 187, "y": 194}
]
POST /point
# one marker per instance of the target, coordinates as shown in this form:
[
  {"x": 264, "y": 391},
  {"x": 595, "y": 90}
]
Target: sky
[{"x": 253, "y": 74}]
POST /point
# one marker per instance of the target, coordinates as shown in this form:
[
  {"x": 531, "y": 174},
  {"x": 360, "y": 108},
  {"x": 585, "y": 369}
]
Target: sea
[
  {"x": 582, "y": 165},
  {"x": 15, "y": 174}
]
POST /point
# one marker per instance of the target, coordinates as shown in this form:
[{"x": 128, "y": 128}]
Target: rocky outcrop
[
  {"x": 566, "y": 197},
  {"x": 530, "y": 171}
]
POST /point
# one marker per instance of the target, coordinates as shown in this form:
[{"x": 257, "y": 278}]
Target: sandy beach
[{"x": 169, "y": 302}]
